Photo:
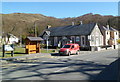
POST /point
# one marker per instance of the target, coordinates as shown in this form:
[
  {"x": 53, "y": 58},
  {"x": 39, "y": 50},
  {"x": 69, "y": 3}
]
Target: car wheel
[
  {"x": 77, "y": 53},
  {"x": 69, "y": 53}
]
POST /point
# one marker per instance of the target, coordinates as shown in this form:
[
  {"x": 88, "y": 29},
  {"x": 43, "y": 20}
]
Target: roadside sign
[{"x": 8, "y": 48}]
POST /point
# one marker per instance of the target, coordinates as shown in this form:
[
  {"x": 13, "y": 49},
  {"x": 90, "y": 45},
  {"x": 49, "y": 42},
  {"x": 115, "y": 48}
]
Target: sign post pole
[
  {"x": 7, "y": 48},
  {"x": 3, "y": 50},
  {"x": 47, "y": 44},
  {"x": 12, "y": 52}
]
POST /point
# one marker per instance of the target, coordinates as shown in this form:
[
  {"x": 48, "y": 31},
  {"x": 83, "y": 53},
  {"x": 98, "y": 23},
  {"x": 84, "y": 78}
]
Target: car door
[{"x": 72, "y": 49}]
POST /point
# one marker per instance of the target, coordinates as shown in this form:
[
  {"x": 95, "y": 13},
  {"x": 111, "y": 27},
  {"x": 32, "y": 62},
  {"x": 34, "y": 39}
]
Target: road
[{"x": 85, "y": 66}]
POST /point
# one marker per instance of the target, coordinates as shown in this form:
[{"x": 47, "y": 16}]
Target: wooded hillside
[{"x": 23, "y": 23}]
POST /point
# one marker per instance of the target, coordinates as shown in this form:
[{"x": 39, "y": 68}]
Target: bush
[
  {"x": 42, "y": 45},
  {"x": 118, "y": 41}
]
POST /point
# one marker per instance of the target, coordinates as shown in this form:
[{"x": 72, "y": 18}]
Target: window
[
  {"x": 100, "y": 40},
  {"x": 66, "y": 46},
  {"x": 64, "y": 37},
  {"x": 73, "y": 39},
  {"x": 72, "y": 46},
  {"x": 92, "y": 38},
  {"x": 116, "y": 33},
  {"x": 77, "y": 38},
  {"x": 107, "y": 33},
  {"x": 82, "y": 40}
]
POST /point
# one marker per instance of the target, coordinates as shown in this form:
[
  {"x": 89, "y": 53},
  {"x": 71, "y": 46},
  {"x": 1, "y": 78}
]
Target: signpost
[
  {"x": 8, "y": 48},
  {"x": 47, "y": 37}
]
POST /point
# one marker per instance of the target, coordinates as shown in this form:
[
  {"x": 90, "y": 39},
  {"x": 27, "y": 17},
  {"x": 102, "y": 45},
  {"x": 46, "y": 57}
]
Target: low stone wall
[{"x": 99, "y": 48}]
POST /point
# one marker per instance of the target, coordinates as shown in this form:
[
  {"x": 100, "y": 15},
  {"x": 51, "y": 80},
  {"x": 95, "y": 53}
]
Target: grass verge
[{"x": 21, "y": 52}]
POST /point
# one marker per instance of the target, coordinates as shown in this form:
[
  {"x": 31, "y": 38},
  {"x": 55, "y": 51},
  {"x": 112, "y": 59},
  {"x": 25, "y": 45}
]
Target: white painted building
[
  {"x": 11, "y": 39},
  {"x": 111, "y": 36},
  {"x": 90, "y": 36}
]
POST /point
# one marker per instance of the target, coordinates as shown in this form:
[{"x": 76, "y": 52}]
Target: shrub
[
  {"x": 42, "y": 45},
  {"x": 118, "y": 41}
]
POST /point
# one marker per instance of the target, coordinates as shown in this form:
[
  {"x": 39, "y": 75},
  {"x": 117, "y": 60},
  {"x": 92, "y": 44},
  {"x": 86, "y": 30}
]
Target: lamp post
[
  {"x": 21, "y": 36},
  {"x": 35, "y": 31}
]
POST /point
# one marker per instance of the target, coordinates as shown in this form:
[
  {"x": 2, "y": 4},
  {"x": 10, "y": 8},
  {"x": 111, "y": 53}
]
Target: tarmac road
[{"x": 85, "y": 66}]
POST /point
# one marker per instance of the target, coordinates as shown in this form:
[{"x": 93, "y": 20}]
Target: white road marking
[{"x": 61, "y": 69}]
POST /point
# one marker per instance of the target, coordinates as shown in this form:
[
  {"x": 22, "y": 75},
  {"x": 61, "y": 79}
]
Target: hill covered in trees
[{"x": 23, "y": 23}]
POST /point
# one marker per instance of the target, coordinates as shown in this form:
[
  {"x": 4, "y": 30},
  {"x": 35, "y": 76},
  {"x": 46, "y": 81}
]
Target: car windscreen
[{"x": 66, "y": 46}]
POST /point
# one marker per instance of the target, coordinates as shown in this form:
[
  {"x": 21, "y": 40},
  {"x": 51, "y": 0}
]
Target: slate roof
[
  {"x": 48, "y": 32},
  {"x": 84, "y": 29},
  {"x": 112, "y": 29},
  {"x": 35, "y": 38},
  {"x": 106, "y": 29}
]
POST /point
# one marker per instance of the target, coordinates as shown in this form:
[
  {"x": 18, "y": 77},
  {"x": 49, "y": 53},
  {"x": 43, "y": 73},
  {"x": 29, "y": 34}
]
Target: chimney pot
[
  {"x": 48, "y": 26},
  {"x": 108, "y": 27}
]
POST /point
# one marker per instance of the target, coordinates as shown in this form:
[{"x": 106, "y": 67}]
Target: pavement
[
  {"x": 85, "y": 66},
  {"x": 36, "y": 55}
]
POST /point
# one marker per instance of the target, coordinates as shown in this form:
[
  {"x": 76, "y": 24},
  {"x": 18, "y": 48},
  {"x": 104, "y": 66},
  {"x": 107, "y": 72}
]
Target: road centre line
[{"x": 61, "y": 69}]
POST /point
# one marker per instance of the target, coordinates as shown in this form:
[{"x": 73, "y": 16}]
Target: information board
[{"x": 8, "y": 48}]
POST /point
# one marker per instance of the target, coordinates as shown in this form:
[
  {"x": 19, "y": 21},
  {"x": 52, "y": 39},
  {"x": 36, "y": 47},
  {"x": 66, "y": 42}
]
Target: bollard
[
  {"x": 3, "y": 50},
  {"x": 12, "y": 53}
]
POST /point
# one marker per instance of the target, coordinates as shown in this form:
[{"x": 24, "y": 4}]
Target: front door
[{"x": 97, "y": 41}]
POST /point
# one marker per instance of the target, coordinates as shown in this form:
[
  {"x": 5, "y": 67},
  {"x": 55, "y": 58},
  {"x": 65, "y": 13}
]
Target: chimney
[
  {"x": 108, "y": 27},
  {"x": 73, "y": 23},
  {"x": 48, "y": 26},
  {"x": 81, "y": 22}
]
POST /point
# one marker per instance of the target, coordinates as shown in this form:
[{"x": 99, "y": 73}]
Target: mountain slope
[{"x": 23, "y": 23}]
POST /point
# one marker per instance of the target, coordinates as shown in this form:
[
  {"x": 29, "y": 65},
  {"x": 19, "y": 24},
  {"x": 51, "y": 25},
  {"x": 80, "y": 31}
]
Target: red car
[{"x": 69, "y": 49}]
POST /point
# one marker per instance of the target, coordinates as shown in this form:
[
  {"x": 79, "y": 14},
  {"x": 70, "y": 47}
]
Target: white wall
[
  {"x": 96, "y": 37},
  {"x": 12, "y": 40},
  {"x": 116, "y": 37},
  {"x": 107, "y": 37}
]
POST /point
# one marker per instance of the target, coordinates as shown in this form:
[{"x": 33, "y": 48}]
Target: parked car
[{"x": 69, "y": 49}]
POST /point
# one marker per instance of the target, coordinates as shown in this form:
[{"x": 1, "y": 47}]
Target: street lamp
[
  {"x": 20, "y": 31},
  {"x": 35, "y": 28},
  {"x": 21, "y": 36}
]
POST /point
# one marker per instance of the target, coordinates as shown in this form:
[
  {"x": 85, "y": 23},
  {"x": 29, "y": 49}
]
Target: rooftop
[
  {"x": 35, "y": 38},
  {"x": 83, "y": 29}
]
